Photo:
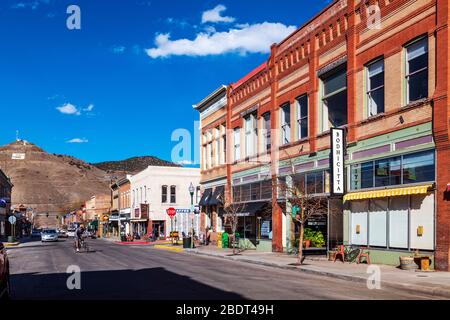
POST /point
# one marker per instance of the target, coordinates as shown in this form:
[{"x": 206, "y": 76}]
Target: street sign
[
  {"x": 337, "y": 161},
  {"x": 12, "y": 220},
  {"x": 171, "y": 212}
]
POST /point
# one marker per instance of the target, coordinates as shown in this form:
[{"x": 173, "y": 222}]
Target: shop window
[
  {"x": 286, "y": 124},
  {"x": 388, "y": 172},
  {"x": 334, "y": 99},
  {"x": 173, "y": 194},
  {"x": 245, "y": 192},
  {"x": 266, "y": 132},
  {"x": 237, "y": 194},
  {"x": 362, "y": 175},
  {"x": 418, "y": 167},
  {"x": 299, "y": 183},
  {"x": 398, "y": 222},
  {"x": 266, "y": 189},
  {"x": 265, "y": 229},
  {"x": 302, "y": 116},
  {"x": 237, "y": 144},
  {"x": 314, "y": 182},
  {"x": 417, "y": 70},
  {"x": 163, "y": 194},
  {"x": 256, "y": 191},
  {"x": 375, "y": 88},
  {"x": 422, "y": 222},
  {"x": 377, "y": 222},
  {"x": 359, "y": 226}
]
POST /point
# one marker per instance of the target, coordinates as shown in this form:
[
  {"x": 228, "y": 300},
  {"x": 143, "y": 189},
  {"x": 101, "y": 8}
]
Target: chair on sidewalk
[
  {"x": 340, "y": 251},
  {"x": 363, "y": 253}
]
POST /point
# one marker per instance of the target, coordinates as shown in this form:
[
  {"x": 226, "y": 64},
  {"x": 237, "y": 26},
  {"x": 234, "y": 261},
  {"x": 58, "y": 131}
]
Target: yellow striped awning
[{"x": 387, "y": 193}]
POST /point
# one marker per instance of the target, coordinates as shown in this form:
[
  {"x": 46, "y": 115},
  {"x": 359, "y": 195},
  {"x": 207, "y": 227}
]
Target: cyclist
[{"x": 79, "y": 234}]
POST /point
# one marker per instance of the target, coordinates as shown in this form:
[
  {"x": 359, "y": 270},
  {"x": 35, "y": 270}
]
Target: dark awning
[
  {"x": 249, "y": 209},
  {"x": 217, "y": 196},
  {"x": 205, "y": 197}
]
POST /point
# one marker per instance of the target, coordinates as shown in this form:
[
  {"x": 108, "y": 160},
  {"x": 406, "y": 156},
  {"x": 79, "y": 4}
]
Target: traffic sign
[
  {"x": 172, "y": 212},
  {"x": 12, "y": 220}
]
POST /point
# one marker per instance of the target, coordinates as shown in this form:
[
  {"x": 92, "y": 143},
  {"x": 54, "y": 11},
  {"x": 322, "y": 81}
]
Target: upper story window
[
  {"x": 164, "y": 194},
  {"x": 266, "y": 132},
  {"x": 417, "y": 70},
  {"x": 375, "y": 88},
  {"x": 250, "y": 135},
  {"x": 302, "y": 116},
  {"x": 286, "y": 124},
  {"x": 173, "y": 194},
  {"x": 334, "y": 98},
  {"x": 237, "y": 144}
]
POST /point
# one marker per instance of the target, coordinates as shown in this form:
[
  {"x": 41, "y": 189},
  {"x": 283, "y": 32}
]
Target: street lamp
[{"x": 191, "y": 191}]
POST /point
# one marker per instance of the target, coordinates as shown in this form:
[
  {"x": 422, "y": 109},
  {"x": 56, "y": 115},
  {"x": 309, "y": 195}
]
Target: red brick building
[{"x": 378, "y": 69}]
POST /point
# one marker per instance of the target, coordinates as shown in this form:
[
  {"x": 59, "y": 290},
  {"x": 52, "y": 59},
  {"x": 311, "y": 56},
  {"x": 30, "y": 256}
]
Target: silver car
[{"x": 49, "y": 235}]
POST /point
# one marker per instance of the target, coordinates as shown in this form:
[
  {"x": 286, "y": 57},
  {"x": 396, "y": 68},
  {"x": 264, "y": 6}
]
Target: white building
[{"x": 157, "y": 189}]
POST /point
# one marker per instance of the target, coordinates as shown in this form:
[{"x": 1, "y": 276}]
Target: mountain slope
[
  {"x": 48, "y": 182},
  {"x": 133, "y": 165}
]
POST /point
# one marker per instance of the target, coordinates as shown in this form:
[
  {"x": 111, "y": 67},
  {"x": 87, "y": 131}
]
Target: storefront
[
  {"x": 391, "y": 206},
  {"x": 159, "y": 229}
]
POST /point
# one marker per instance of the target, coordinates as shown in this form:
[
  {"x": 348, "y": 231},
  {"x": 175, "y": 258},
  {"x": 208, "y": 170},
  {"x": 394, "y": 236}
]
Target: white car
[
  {"x": 49, "y": 235},
  {"x": 71, "y": 233}
]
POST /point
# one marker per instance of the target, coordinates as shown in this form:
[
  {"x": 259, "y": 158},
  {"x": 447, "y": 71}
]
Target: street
[{"x": 111, "y": 271}]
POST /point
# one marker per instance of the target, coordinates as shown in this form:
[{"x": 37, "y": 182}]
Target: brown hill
[
  {"x": 132, "y": 165},
  {"x": 48, "y": 182}
]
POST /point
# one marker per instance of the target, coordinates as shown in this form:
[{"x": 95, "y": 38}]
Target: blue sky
[{"x": 122, "y": 84}]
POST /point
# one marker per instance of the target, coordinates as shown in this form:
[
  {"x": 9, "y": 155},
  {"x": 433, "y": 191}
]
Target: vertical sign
[{"x": 337, "y": 162}]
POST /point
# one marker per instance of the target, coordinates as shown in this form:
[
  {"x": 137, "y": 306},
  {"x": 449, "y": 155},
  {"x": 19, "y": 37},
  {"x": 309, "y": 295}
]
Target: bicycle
[{"x": 83, "y": 245}]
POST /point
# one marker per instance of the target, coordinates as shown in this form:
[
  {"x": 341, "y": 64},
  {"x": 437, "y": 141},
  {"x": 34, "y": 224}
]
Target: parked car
[
  {"x": 62, "y": 234},
  {"x": 71, "y": 233},
  {"x": 36, "y": 233},
  {"x": 49, "y": 235},
  {"x": 4, "y": 273}
]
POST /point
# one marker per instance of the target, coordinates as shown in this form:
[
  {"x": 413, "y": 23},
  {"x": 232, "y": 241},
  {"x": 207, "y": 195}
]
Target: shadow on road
[{"x": 145, "y": 284}]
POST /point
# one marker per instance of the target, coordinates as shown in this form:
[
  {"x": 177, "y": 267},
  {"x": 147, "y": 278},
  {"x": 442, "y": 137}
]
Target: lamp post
[{"x": 191, "y": 191}]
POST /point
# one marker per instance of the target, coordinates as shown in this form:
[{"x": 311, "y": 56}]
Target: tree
[
  {"x": 304, "y": 206},
  {"x": 231, "y": 216}
]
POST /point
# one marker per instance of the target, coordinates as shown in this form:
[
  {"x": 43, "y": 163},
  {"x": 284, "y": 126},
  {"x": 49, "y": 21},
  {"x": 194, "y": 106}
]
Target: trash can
[
  {"x": 187, "y": 242},
  {"x": 11, "y": 239}
]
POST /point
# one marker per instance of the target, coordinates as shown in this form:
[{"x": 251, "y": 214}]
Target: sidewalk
[
  {"x": 434, "y": 283},
  {"x": 136, "y": 242}
]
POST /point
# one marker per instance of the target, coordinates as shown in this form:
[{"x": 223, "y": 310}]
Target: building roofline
[{"x": 210, "y": 97}]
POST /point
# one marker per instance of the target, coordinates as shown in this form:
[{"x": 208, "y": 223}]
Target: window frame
[
  {"x": 370, "y": 90},
  {"x": 301, "y": 117},
  {"x": 237, "y": 143},
  {"x": 423, "y": 38},
  {"x": 173, "y": 194},
  {"x": 267, "y": 132},
  {"x": 285, "y": 134},
  {"x": 164, "y": 189}
]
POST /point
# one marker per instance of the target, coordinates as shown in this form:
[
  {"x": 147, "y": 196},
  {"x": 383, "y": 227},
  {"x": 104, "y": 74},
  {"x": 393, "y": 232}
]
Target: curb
[
  {"x": 437, "y": 292},
  {"x": 170, "y": 248},
  {"x": 11, "y": 244}
]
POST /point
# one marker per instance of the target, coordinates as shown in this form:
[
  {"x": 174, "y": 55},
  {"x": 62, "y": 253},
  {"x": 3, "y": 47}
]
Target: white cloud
[
  {"x": 33, "y": 5},
  {"x": 215, "y": 15},
  {"x": 89, "y": 108},
  {"x": 78, "y": 140},
  {"x": 69, "y": 108},
  {"x": 118, "y": 49},
  {"x": 256, "y": 38}
]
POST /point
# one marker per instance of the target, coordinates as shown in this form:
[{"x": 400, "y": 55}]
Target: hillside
[
  {"x": 48, "y": 182},
  {"x": 132, "y": 165}
]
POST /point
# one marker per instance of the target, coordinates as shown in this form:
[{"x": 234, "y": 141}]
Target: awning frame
[{"x": 384, "y": 193}]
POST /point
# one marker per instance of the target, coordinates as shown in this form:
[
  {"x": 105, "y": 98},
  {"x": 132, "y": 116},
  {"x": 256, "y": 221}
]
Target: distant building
[
  {"x": 120, "y": 210},
  {"x": 95, "y": 208},
  {"x": 5, "y": 203},
  {"x": 156, "y": 189}
]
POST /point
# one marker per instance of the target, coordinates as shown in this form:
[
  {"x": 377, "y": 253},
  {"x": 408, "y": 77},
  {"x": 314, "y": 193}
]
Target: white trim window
[
  {"x": 267, "y": 145},
  {"x": 375, "y": 88},
  {"x": 302, "y": 117},
  {"x": 285, "y": 124},
  {"x": 417, "y": 70},
  {"x": 250, "y": 135},
  {"x": 334, "y": 98},
  {"x": 237, "y": 144}
]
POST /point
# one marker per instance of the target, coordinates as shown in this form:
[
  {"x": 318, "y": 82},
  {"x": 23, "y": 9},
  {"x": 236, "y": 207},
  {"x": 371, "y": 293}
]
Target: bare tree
[
  {"x": 231, "y": 216},
  {"x": 308, "y": 206}
]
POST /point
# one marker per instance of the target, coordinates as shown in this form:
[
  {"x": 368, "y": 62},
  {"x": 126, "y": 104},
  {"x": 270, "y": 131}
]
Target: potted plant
[
  {"x": 318, "y": 240},
  {"x": 308, "y": 237}
]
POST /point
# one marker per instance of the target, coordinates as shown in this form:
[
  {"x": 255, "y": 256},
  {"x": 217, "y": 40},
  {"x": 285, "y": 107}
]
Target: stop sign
[{"x": 171, "y": 212}]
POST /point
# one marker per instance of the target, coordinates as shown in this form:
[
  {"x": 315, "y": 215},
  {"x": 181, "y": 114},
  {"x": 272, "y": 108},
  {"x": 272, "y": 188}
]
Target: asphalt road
[{"x": 111, "y": 271}]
